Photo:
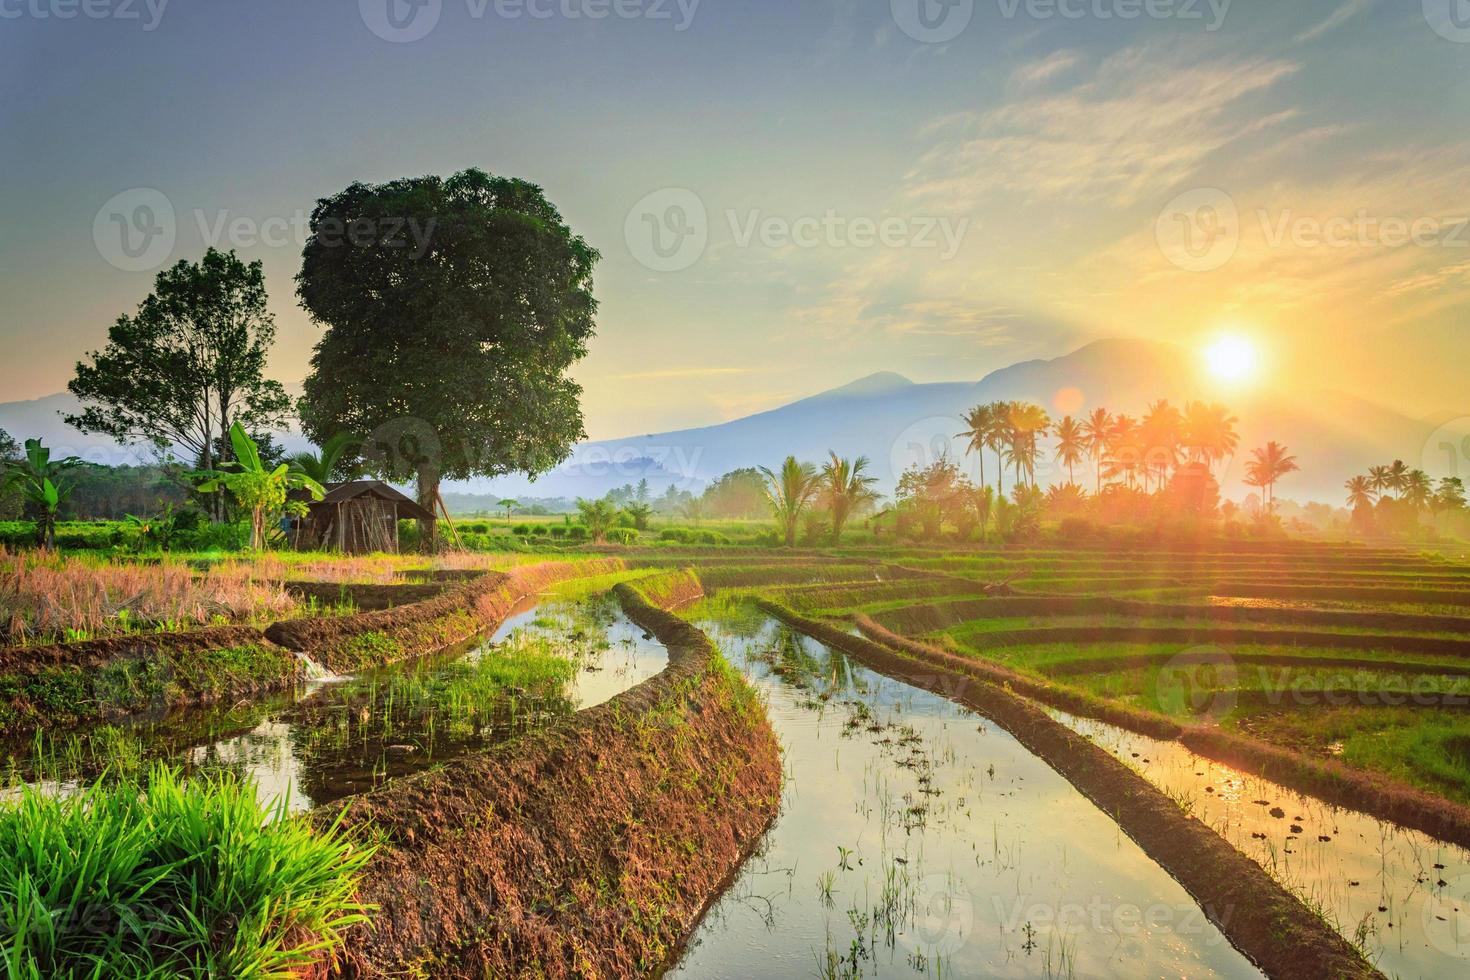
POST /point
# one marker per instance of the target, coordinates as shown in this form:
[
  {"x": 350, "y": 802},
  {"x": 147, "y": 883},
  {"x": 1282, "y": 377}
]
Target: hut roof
[{"x": 338, "y": 493}]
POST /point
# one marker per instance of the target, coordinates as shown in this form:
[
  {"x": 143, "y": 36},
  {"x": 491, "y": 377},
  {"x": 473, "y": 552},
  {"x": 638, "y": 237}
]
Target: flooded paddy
[
  {"x": 916, "y": 839},
  {"x": 338, "y": 736},
  {"x": 1398, "y": 894}
]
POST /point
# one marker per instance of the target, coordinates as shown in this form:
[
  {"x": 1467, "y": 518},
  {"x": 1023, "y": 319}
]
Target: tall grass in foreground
[{"x": 171, "y": 879}]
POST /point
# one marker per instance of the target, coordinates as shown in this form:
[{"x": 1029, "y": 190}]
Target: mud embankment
[
  {"x": 107, "y": 680},
  {"x": 589, "y": 849},
  {"x": 344, "y": 644},
  {"x": 1325, "y": 779},
  {"x": 1275, "y": 930}
]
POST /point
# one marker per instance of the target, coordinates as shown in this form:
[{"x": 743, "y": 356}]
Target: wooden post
[{"x": 439, "y": 498}]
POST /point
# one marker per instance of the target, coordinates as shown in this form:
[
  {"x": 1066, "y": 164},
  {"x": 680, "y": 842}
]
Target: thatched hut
[{"x": 356, "y": 518}]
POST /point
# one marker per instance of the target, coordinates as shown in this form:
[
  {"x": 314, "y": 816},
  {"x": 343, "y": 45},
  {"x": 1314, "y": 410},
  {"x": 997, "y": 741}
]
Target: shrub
[
  {"x": 577, "y": 532},
  {"x": 679, "y": 535},
  {"x": 1077, "y": 529},
  {"x": 622, "y": 535},
  {"x": 522, "y": 530},
  {"x": 171, "y": 879},
  {"x": 710, "y": 537},
  {"x": 539, "y": 530},
  {"x": 559, "y": 531}
]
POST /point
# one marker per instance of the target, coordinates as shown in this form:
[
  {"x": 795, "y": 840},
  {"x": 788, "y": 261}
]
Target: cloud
[
  {"x": 1042, "y": 70},
  {"x": 1337, "y": 18},
  {"x": 1146, "y": 119},
  {"x": 686, "y": 372}
]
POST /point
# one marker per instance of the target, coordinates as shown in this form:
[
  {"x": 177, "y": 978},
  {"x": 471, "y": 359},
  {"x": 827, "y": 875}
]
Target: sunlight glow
[{"x": 1232, "y": 358}]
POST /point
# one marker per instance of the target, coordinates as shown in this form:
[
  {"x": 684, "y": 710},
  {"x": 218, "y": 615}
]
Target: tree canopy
[
  {"x": 452, "y": 309},
  {"x": 188, "y": 364}
]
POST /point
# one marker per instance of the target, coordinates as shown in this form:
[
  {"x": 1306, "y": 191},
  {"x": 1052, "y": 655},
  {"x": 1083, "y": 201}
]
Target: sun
[{"x": 1232, "y": 358}]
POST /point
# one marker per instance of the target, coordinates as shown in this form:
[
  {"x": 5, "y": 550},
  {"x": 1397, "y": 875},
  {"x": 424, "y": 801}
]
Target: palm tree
[
  {"x": 1096, "y": 430},
  {"x": 1161, "y": 431},
  {"x": 1360, "y": 492},
  {"x": 39, "y": 480},
  {"x": 1123, "y": 452},
  {"x": 978, "y": 423},
  {"x": 259, "y": 490},
  {"x": 844, "y": 488},
  {"x": 325, "y": 465},
  {"x": 1398, "y": 477},
  {"x": 1209, "y": 432},
  {"x": 509, "y": 504},
  {"x": 999, "y": 439},
  {"x": 984, "y": 507},
  {"x": 1269, "y": 464},
  {"x": 789, "y": 492},
  {"x": 1418, "y": 489},
  {"x": 639, "y": 514},
  {"x": 1379, "y": 479},
  {"x": 1029, "y": 422},
  {"x": 1070, "y": 445}
]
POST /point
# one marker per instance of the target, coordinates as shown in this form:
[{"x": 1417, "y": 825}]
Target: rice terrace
[{"x": 609, "y": 489}]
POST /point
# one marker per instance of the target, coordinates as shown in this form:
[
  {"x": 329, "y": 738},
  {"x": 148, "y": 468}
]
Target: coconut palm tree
[
  {"x": 1000, "y": 440},
  {"x": 844, "y": 487},
  {"x": 1418, "y": 489},
  {"x": 788, "y": 493},
  {"x": 978, "y": 424},
  {"x": 1160, "y": 433},
  {"x": 1269, "y": 464},
  {"x": 984, "y": 508},
  {"x": 327, "y": 464},
  {"x": 1398, "y": 477},
  {"x": 1360, "y": 492},
  {"x": 598, "y": 516},
  {"x": 1096, "y": 430},
  {"x": 1124, "y": 455},
  {"x": 1029, "y": 422},
  {"x": 1209, "y": 432},
  {"x": 1379, "y": 479},
  {"x": 1070, "y": 445}
]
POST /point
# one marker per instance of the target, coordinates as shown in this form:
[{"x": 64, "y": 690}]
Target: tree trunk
[
  {"x": 428, "y": 494},
  {"x": 257, "y": 529}
]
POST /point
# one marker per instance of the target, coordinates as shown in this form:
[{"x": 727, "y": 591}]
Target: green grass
[{"x": 170, "y": 879}]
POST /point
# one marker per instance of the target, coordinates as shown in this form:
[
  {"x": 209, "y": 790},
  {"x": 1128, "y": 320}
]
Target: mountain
[{"x": 898, "y": 423}]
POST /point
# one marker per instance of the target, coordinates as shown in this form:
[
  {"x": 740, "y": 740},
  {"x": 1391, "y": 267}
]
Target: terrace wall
[{"x": 589, "y": 849}]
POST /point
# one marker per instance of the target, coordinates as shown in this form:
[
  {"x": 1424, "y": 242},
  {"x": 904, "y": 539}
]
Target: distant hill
[{"x": 896, "y": 422}]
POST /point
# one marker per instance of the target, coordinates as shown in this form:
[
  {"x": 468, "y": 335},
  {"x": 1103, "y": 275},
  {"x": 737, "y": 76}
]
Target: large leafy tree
[
  {"x": 453, "y": 309},
  {"x": 188, "y": 364}
]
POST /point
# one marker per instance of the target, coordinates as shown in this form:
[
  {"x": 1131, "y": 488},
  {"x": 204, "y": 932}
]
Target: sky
[{"x": 787, "y": 194}]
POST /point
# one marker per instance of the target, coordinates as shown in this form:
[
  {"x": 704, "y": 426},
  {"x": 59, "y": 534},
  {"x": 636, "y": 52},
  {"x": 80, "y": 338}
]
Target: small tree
[
  {"x": 508, "y": 505},
  {"x": 788, "y": 493},
  {"x": 39, "y": 481},
  {"x": 599, "y": 516},
  {"x": 638, "y": 514},
  {"x": 261, "y": 491}
]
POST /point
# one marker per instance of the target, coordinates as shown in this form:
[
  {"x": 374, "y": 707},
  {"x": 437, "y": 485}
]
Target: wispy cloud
[
  {"x": 1145, "y": 120},
  {"x": 1044, "y": 69},
  {"x": 669, "y": 374},
  {"x": 1340, "y": 16}
]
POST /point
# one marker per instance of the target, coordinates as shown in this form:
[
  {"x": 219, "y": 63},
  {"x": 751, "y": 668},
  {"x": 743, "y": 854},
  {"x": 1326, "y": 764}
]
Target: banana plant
[
  {"x": 41, "y": 486},
  {"x": 261, "y": 491}
]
